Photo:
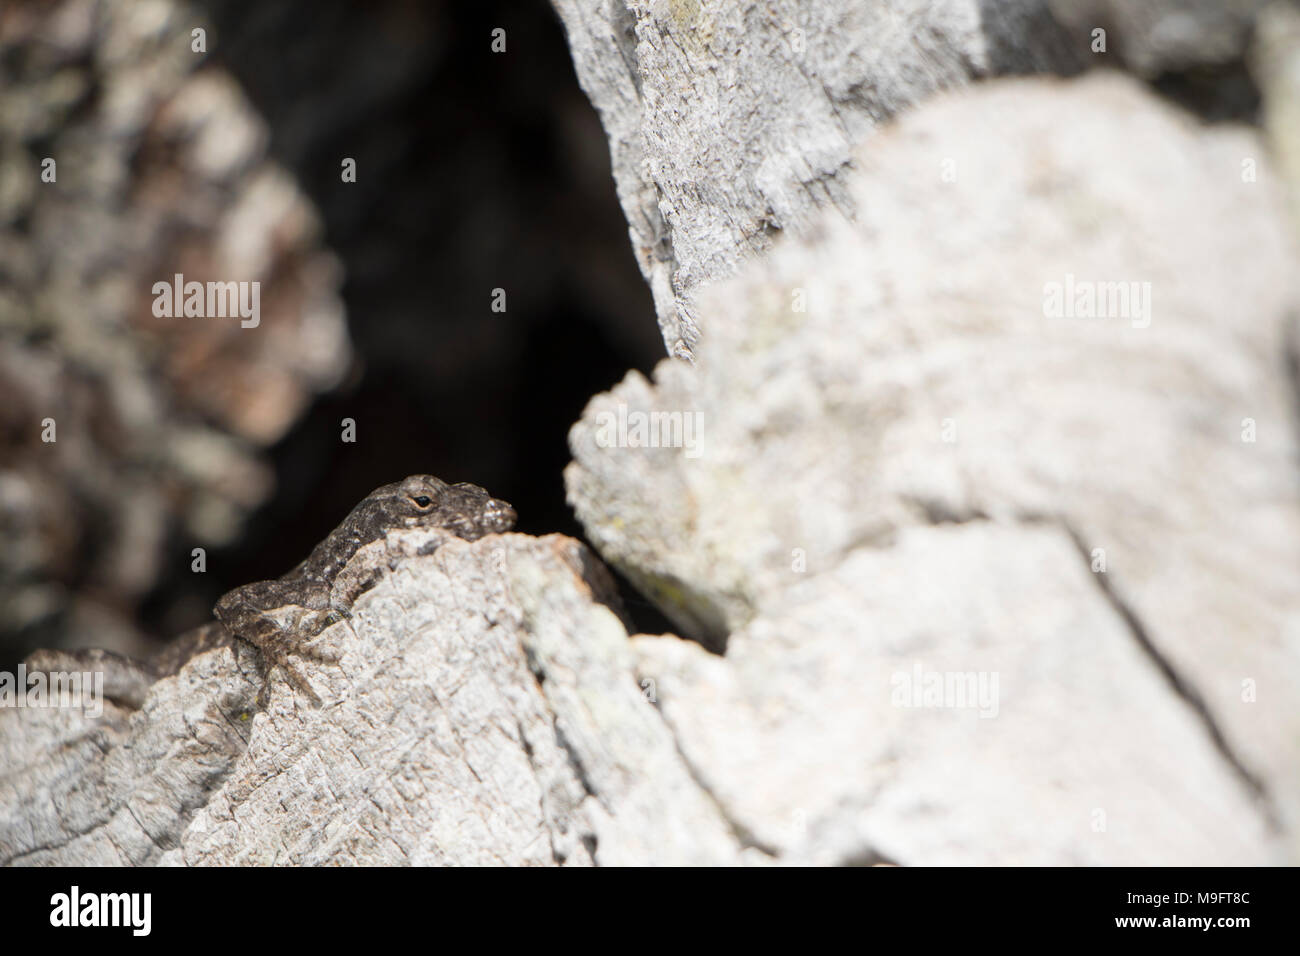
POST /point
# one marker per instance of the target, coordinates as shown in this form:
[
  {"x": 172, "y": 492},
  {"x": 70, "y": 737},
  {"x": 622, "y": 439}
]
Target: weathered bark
[
  {"x": 483, "y": 710},
  {"x": 733, "y": 123},
  {"x": 906, "y": 461}
]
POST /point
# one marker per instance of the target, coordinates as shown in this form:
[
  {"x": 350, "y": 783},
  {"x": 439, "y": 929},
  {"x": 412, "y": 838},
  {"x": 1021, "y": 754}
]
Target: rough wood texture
[
  {"x": 730, "y": 123},
  {"x": 905, "y": 461},
  {"x": 483, "y": 710},
  {"x": 905, "y": 464}
]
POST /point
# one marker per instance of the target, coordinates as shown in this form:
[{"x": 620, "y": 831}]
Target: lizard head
[{"x": 466, "y": 510}]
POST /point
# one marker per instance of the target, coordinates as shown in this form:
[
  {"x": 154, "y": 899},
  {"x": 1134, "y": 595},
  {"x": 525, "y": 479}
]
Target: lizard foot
[{"x": 279, "y": 652}]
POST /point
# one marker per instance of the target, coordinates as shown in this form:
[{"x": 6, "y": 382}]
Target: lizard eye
[{"x": 422, "y": 501}]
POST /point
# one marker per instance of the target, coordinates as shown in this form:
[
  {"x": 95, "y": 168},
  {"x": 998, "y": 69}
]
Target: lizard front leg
[{"x": 280, "y": 618}]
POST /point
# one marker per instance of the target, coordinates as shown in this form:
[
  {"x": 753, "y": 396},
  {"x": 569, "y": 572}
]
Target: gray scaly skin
[{"x": 281, "y": 616}]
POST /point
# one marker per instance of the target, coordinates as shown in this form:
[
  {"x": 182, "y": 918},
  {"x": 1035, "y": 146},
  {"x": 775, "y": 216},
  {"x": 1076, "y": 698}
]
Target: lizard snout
[{"x": 498, "y": 515}]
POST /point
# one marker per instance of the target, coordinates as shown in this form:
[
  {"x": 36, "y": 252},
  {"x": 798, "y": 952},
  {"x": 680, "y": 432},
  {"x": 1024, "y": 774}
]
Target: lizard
[{"x": 281, "y": 616}]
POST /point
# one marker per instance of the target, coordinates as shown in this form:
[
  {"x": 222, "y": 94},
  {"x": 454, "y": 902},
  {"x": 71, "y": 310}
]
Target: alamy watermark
[
  {"x": 213, "y": 300},
  {"x": 1086, "y": 299},
  {"x": 75, "y": 908},
  {"x": 950, "y": 690},
  {"x": 638, "y": 429},
  {"x": 83, "y": 689}
]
